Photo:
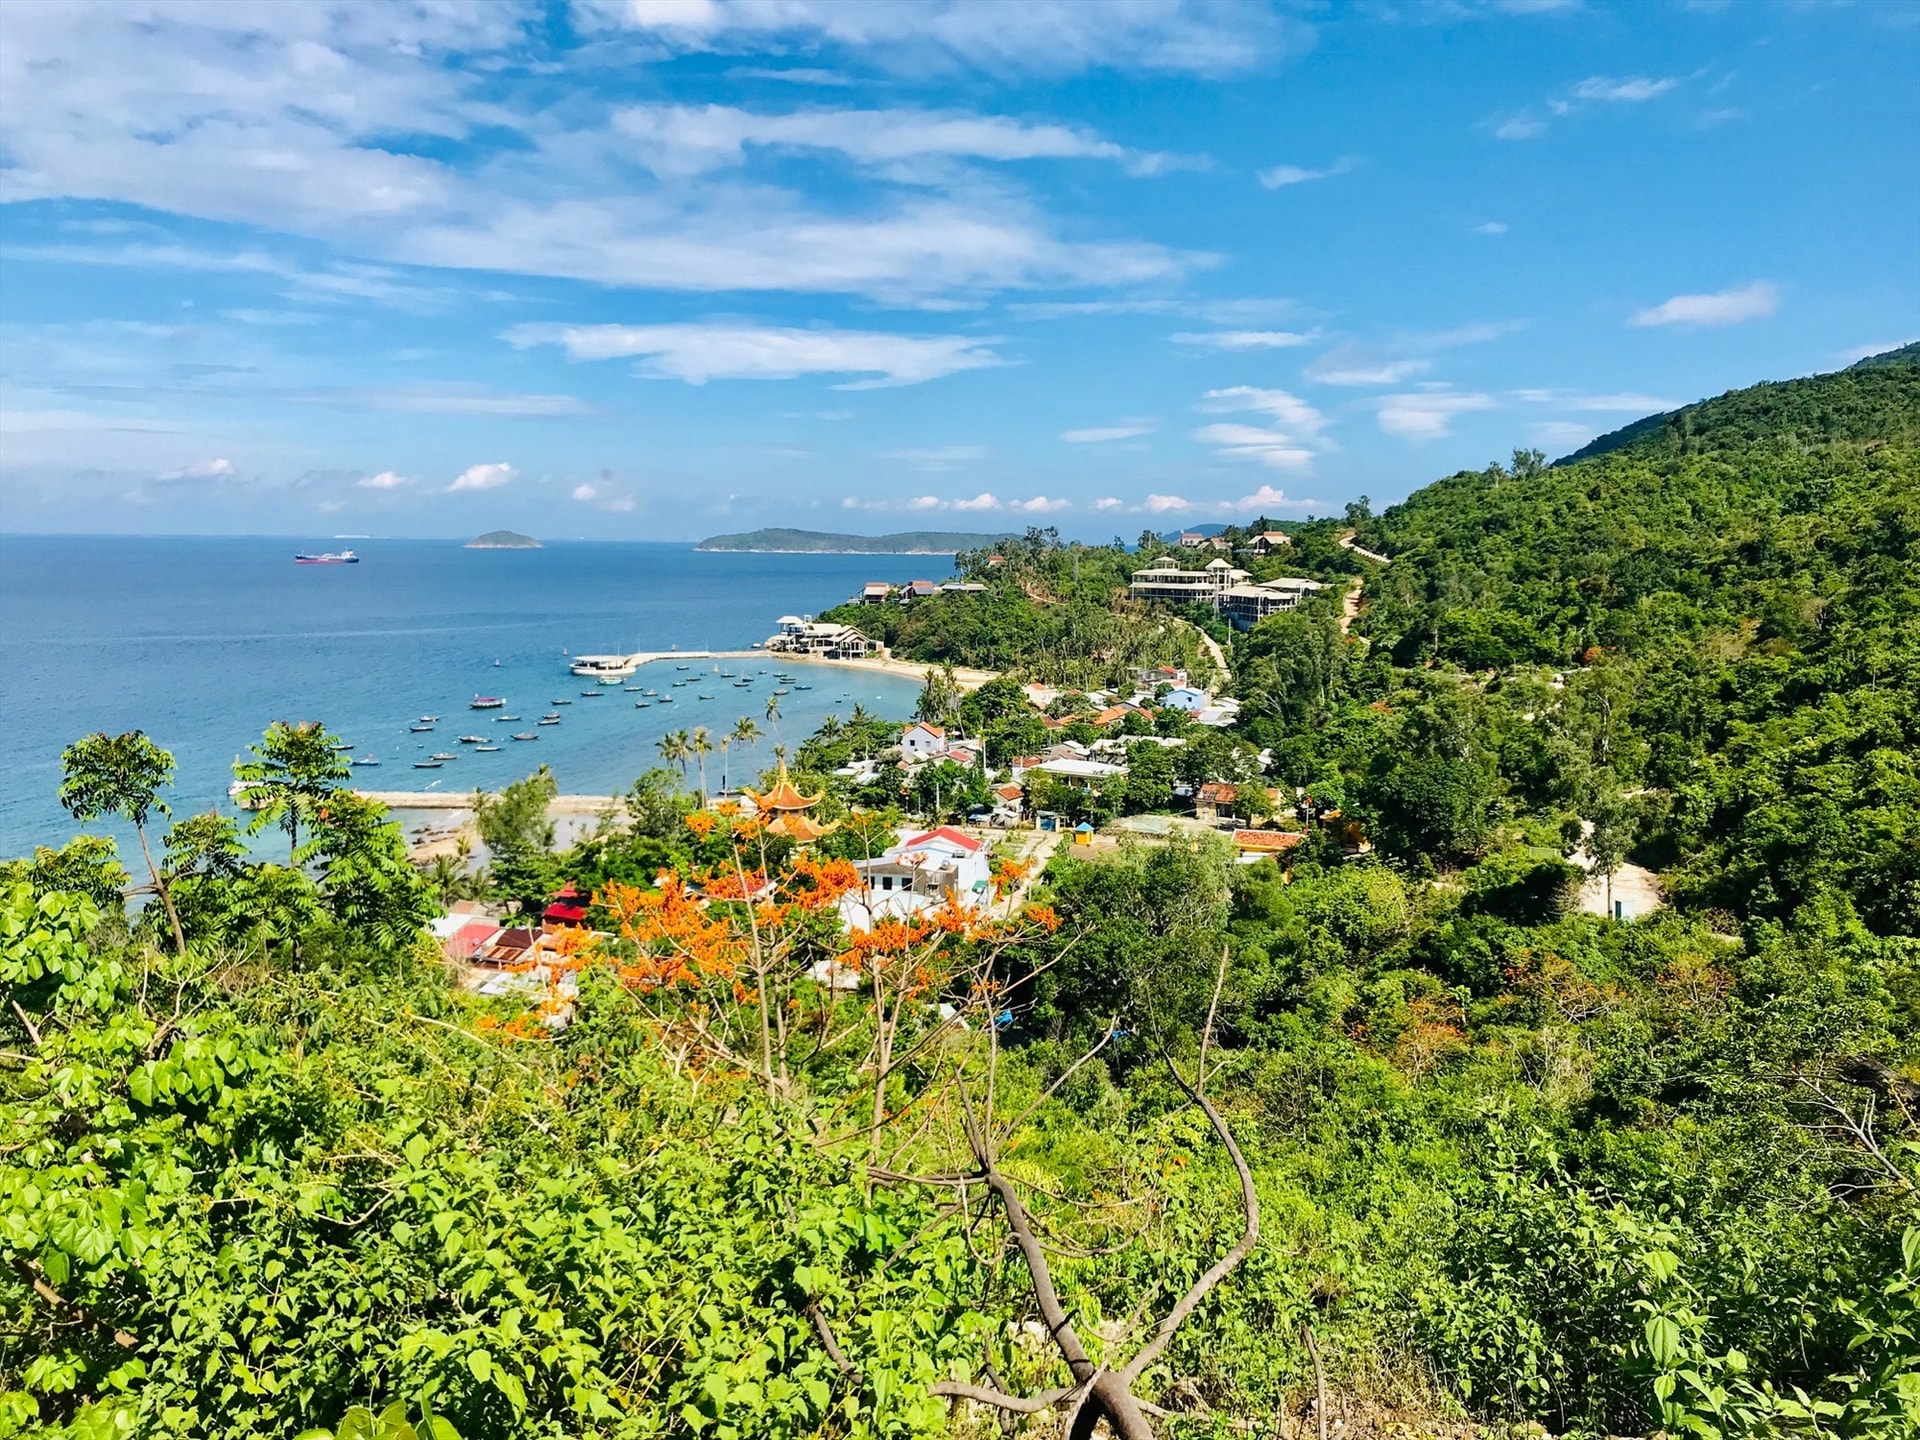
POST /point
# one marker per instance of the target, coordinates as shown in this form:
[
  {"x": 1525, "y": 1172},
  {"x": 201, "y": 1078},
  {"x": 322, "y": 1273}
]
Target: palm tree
[
  {"x": 773, "y": 712},
  {"x": 744, "y": 732},
  {"x": 701, "y": 744},
  {"x": 673, "y": 750},
  {"x": 121, "y": 775}
]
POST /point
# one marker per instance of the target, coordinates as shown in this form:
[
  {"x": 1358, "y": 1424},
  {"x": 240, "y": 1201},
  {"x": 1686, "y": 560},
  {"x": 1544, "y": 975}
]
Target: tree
[
  {"x": 1614, "y": 829},
  {"x": 744, "y": 732},
  {"x": 121, "y": 775},
  {"x": 939, "y": 700},
  {"x": 294, "y": 771},
  {"x": 515, "y": 828},
  {"x": 674, "y": 750},
  {"x": 700, "y": 743}
]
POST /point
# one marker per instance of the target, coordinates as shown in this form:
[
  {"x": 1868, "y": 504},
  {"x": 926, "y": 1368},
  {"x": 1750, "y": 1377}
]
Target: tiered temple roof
[{"x": 785, "y": 810}]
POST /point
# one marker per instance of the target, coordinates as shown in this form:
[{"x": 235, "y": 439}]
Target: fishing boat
[
  {"x": 634, "y": 689},
  {"x": 442, "y": 755},
  {"x": 328, "y": 557},
  {"x": 561, "y": 700},
  {"x": 666, "y": 699},
  {"x": 683, "y": 667},
  {"x": 525, "y": 735},
  {"x": 247, "y": 796},
  {"x": 781, "y": 690},
  {"x": 703, "y": 697},
  {"x": 641, "y": 704},
  {"x": 485, "y": 702},
  {"x": 653, "y": 692},
  {"x": 428, "y": 764},
  {"x": 429, "y": 719},
  {"x": 803, "y": 687},
  {"x": 591, "y": 694},
  {"x": 421, "y": 729},
  {"x": 473, "y": 739},
  {"x": 506, "y": 719},
  {"x": 343, "y": 745},
  {"x": 548, "y": 720},
  {"x": 486, "y": 749},
  {"x": 366, "y": 759}
]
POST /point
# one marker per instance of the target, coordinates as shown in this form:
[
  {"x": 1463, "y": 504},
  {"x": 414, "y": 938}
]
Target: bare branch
[
  {"x": 1206, "y": 1034},
  {"x": 981, "y": 1395},
  {"x": 25, "y": 1269},
  {"x": 1065, "y": 1075},
  {"x": 1225, "y": 1265},
  {"x": 827, "y": 1341}
]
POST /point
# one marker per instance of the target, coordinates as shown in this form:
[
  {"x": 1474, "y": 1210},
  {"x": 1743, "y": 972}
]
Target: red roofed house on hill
[{"x": 921, "y": 741}]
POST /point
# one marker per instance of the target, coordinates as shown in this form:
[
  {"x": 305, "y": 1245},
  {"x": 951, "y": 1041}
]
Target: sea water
[{"x": 201, "y": 642}]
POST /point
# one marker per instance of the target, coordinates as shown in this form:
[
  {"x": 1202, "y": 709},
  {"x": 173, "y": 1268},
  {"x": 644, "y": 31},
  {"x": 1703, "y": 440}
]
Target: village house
[
  {"x": 1215, "y": 799},
  {"x": 1268, "y": 541},
  {"x": 1189, "y": 698},
  {"x": 874, "y": 592},
  {"x": 922, "y": 872},
  {"x": 567, "y": 910},
  {"x": 921, "y": 741},
  {"x": 1164, "y": 580},
  {"x": 918, "y": 590},
  {"x": 1254, "y": 845},
  {"x": 800, "y": 635},
  {"x": 1247, "y": 605},
  {"x": 1009, "y": 801},
  {"x": 1082, "y": 773}
]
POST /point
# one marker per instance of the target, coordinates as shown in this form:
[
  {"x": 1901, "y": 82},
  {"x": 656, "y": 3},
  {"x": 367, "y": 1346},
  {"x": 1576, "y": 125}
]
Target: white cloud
[
  {"x": 1040, "y": 505},
  {"x": 1864, "y": 352},
  {"x": 1490, "y": 227},
  {"x": 1165, "y": 504},
  {"x": 1037, "y": 36},
  {"x": 201, "y": 470},
  {"x": 1289, "y": 410},
  {"x": 1753, "y": 301},
  {"x": 1267, "y": 499},
  {"x": 1349, "y": 365},
  {"x": 1561, "y": 435},
  {"x": 937, "y": 457},
  {"x": 603, "y": 497},
  {"x": 1099, "y": 434},
  {"x": 300, "y": 117},
  {"x": 1530, "y": 123},
  {"x": 974, "y": 504},
  {"x": 699, "y": 353},
  {"x": 1627, "y": 402},
  {"x": 385, "y": 480},
  {"x": 1108, "y": 502},
  {"x": 1251, "y": 442},
  {"x": 982, "y": 501},
  {"x": 1427, "y": 414},
  {"x": 453, "y": 399},
  {"x": 482, "y": 477},
  {"x": 1632, "y": 91},
  {"x": 1279, "y": 176},
  {"x": 693, "y": 139},
  {"x": 1520, "y": 127},
  {"x": 1244, "y": 339},
  {"x": 1291, "y": 448}
]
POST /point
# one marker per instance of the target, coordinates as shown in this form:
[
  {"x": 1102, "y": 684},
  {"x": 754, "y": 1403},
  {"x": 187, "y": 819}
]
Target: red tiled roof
[
  {"x": 469, "y": 938},
  {"x": 947, "y": 833},
  {"x": 1008, "y": 792},
  {"x": 1219, "y": 792},
  {"x": 560, "y": 913},
  {"x": 1266, "y": 839},
  {"x": 939, "y": 730}
]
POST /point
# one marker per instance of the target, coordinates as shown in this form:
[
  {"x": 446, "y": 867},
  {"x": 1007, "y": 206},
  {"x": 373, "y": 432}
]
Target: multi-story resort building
[
  {"x": 802, "y": 635},
  {"x": 1220, "y": 587}
]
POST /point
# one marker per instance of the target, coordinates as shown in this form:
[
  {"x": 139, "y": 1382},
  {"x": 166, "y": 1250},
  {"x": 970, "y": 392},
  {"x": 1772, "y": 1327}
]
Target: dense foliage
[{"x": 270, "y": 1165}]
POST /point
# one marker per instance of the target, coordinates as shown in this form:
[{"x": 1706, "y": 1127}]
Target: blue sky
[{"x": 660, "y": 268}]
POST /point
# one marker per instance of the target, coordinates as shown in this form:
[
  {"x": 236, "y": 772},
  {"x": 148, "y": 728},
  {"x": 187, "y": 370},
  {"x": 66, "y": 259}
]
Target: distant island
[
  {"x": 503, "y": 540},
  {"x": 821, "y": 542}
]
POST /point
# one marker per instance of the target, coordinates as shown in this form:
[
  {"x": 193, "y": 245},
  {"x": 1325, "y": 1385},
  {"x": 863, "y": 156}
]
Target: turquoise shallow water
[{"x": 201, "y": 642}]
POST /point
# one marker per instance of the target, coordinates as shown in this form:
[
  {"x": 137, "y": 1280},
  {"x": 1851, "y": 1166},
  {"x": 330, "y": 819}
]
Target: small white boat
[{"x": 366, "y": 759}]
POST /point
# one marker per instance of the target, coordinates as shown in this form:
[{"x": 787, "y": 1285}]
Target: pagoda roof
[
  {"x": 797, "y": 827},
  {"x": 781, "y": 795}
]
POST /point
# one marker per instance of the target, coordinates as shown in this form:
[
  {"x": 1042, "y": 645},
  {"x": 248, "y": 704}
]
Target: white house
[
  {"x": 920, "y": 873},
  {"x": 921, "y": 741},
  {"x": 1166, "y": 580},
  {"x": 1268, "y": 541},
  {"x": 1190, "y": 698}
]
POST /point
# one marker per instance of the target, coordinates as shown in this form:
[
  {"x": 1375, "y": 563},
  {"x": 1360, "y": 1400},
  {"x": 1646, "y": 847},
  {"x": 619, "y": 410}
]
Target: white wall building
[{"x": 921, "y": 741}]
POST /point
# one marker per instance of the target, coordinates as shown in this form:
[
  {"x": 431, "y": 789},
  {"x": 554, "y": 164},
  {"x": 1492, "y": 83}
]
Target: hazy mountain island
[
  {"x": 821, "y": 542},
  {"x": 503, "y": 540}
]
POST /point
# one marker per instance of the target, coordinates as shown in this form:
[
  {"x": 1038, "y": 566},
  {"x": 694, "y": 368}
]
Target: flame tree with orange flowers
[{"x": 883, "y": 1042}]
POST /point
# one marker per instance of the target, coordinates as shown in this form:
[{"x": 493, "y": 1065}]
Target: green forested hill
[{"x": 1748, "y": 573}]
